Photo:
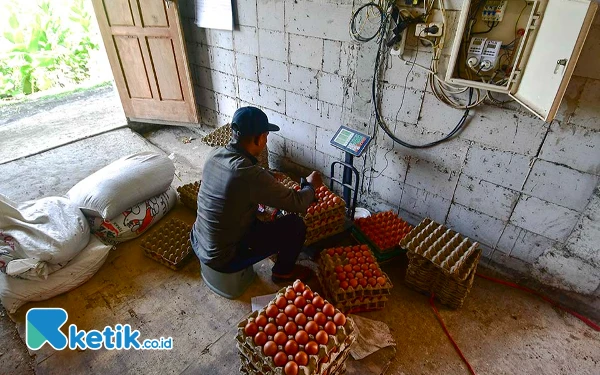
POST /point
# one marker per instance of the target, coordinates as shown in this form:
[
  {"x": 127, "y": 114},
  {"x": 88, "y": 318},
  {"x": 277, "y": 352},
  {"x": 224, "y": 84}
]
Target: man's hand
[{"x": 315, "y": 180}]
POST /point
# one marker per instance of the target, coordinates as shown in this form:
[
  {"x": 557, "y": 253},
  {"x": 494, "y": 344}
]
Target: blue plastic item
[{"x": 228, "y": 285}]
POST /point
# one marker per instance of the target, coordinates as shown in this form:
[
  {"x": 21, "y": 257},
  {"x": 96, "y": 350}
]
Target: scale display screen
[{"x": 350, "y": 140}]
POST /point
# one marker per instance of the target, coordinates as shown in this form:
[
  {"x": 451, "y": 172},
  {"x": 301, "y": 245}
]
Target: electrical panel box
[
  {"x": 493, "y": 10},
  {"x": 525, "y": 48}
]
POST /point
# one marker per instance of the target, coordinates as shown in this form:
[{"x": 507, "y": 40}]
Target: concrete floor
[{"x": 500, "y": 330}]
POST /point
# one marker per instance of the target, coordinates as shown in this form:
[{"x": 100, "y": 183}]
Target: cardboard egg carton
[
  {"x": 331, "y": 284},
  {"x": 188, "y": 194},
  {"x": 219, "y": 137},
  {"x": 169, "y": 243},
  {"x": 338, "y": 210},
  {"x": 443, "y": 247},
  {"x": 329, "y": 359},
  {"x": 324, "y": 234}
]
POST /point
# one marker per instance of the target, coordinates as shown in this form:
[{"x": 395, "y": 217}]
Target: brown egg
[
  {"x": 320, "y": 318},
  {"x": 309, "y": 310},
  {"x": 291, "y": 368},
  {"x": 280, "y": 338},
  {"x": 300, "y": 319},
  {"x": 312, "y": 328},
  {"x": 290, "y": 328},
  {"x": 270, "y": 348},
  {"x": 250, "y": 329},
  {"x": 281, "y": 319},
  {"x": 321, "y": 337},
  {"x": 281, "y": 302},
  {"x": 329, "y": 310},
  {"x": 318, "y": 302},
  {"x": 298, "y": 286},
  {"x": 290, "y": 294},
  {"x": 260, "y": 339},
  {"x": 339, "y": 319},
  {"x": 272, "y": 311},
  {"x": 270, "y": 329},
  {"x": 261, "y": 320},
  {"x": 311, "y": 348},
  {"x": 307, "y": 294},
  {"x": 291, "y": 310},
  {"x": 301, "y": 337},
  {"x": 301, "y": 358},
  {"x": 330, "y": 328},
  {"x": 280, "y": 359},
  {"x": 291, "y": 347},
  {"x": 300, "y": 302}
]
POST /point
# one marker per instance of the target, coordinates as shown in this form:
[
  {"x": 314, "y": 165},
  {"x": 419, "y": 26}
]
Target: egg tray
[
  {"x": 441, "y": 262},
  {"x": 169, "y": 243},
  {"x": 338, "y": 367},
  {"x": 451, "y": 252},
  {"x": 338, "y": 210},
  {"x": 329, "y": 281},
  {"x": 364, "y": 238},
  {"x": 380, "y": 255},
  {"x": 335, "y": 348},
  {"x": 188, "y": 194},
  {"x": 323, "y": 235},
  {"x": 332, "y": 223},
  {"x": 221, "y": 137}
]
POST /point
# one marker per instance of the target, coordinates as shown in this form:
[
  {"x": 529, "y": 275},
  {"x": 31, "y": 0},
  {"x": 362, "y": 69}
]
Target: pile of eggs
[
  {"x": 355, "y": 265},
  {"x": 326, "y": 200},
  {"x": 292, "y": 327},
  {"x": 384, "y": 229}
]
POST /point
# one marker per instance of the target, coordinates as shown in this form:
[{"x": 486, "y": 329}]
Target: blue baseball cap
[{"x": 251, "y": 121}]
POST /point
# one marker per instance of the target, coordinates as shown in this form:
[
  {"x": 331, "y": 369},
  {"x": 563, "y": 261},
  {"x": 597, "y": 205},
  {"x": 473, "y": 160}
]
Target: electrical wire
[
  {"x": 381, "y": 122},
  {"x": 355, "y": 34}
]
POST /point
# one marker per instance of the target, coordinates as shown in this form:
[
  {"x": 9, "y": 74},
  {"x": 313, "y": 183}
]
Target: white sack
[
  {"x": 15, "y": 292},
  {"x": 38, "y": 237},
  {"x": 135, "y": 220},
  {"x": 122, "y": 184}
]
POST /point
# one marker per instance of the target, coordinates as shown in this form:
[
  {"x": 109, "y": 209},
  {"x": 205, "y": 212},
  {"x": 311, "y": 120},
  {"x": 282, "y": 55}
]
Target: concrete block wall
[{"x": 526, "y": 190}]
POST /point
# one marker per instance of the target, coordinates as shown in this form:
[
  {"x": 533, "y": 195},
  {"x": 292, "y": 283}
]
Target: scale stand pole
[{"x": 347, "y": 178}]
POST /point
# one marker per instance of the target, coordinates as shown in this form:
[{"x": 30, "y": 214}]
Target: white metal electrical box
[{"x": 524, "y": 48}]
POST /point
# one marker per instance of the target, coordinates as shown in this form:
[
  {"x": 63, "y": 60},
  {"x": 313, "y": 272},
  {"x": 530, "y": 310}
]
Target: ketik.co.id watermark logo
[{"x": 43, "y": 326}]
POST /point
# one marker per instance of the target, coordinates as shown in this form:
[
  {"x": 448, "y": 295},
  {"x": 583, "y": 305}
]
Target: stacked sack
[
  {"x": 45, "y": 245},
  {"x": 122, "y": 200}
]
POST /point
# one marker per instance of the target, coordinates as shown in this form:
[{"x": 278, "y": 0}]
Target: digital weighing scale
[{"x": 353, "y": 143}]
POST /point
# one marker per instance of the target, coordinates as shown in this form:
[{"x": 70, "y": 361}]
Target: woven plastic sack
[
  {"x": 123, "y": 184},
  {"x": 38, "y": 237},
  {"x": 15, "y": 292},
  {"x": 135, "y": 220}
]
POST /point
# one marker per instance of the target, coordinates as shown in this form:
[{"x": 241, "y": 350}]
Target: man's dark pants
[{"x": 284, "y": 236}]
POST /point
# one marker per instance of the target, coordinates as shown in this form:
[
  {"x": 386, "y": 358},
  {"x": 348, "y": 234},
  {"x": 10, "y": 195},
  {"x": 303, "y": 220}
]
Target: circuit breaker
[{"x": 524, "y": 48}]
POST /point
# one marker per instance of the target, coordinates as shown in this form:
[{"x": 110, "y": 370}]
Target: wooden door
[{"x": 146, "y": 50}]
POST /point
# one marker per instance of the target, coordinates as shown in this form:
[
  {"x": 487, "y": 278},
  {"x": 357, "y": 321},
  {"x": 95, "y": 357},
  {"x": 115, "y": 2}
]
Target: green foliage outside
[{"x": 45, "y": 44}]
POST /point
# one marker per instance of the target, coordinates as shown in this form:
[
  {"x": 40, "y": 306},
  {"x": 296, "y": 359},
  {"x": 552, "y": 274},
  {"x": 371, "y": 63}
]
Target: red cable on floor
[
  {"x": 439, "y": 318},
  {"x": 550, "y": 301},
  {"x": 512, "y": 285}
]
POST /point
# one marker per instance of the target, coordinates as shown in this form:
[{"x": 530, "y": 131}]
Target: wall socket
[
  {"x": 422, "y": 26},
  {"x": 398, "y": 48}
]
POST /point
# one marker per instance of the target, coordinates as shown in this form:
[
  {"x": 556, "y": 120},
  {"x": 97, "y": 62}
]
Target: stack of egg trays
[
  {"x": 355, "y": 304},
  {"x": 188, "y": 194},
  {"x": 338, "y": 210},
  {"x": 169, "y": 243},
  {"x": 338, "y": 367},
  {"x": 328, "y": 278},
  {"x": 337, "y": 349},
  {"x": 317, "y": 232},
  {"x": 441, "y": 261},
  {"x": 219, "y": 137}
]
